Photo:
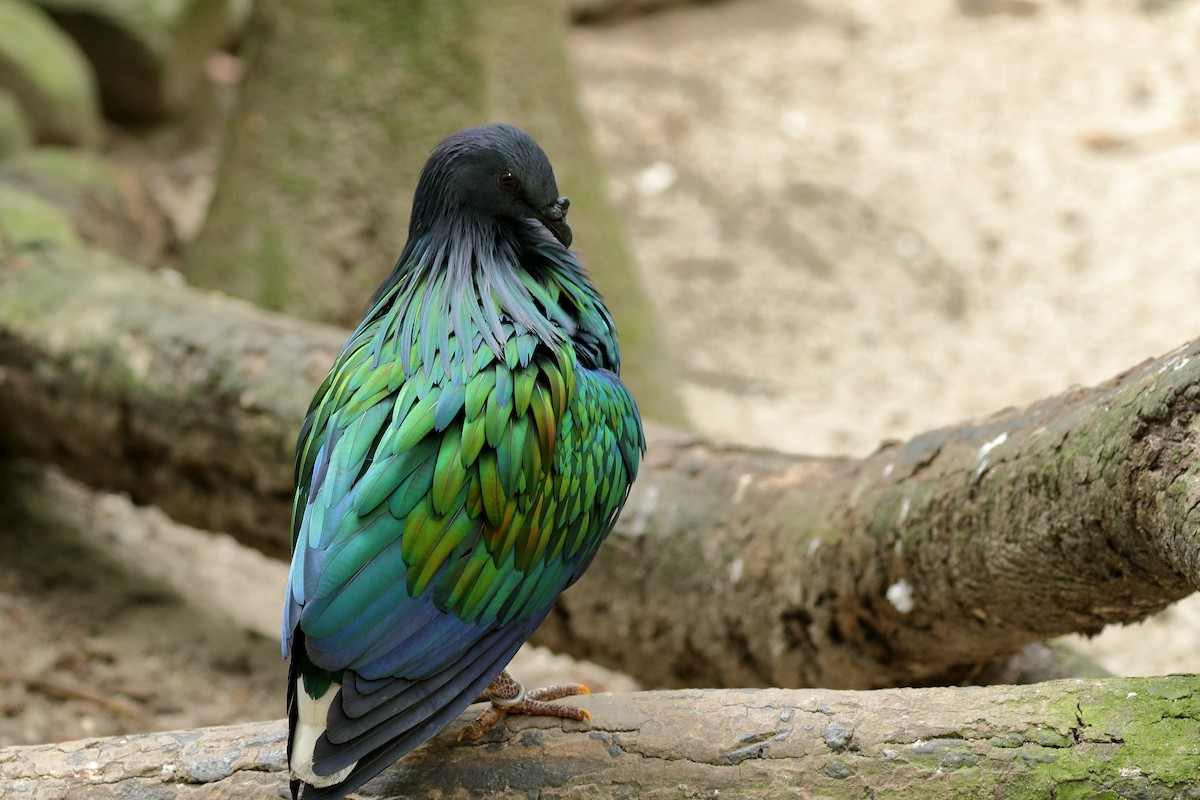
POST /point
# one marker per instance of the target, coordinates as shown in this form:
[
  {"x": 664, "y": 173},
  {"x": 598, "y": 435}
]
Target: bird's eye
[{"x": 508, "y": 182}]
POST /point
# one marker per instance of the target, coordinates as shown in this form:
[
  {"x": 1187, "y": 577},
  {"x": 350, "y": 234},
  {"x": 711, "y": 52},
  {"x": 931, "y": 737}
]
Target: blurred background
[{"x": 822, "y": 225}]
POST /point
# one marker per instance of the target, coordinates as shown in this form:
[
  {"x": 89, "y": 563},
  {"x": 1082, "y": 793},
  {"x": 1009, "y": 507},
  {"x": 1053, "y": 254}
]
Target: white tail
[{"x": 311, "y": 718}]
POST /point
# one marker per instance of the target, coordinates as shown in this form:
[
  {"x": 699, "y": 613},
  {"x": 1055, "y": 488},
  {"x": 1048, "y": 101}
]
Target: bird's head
[{"x": 494, "y": 171}]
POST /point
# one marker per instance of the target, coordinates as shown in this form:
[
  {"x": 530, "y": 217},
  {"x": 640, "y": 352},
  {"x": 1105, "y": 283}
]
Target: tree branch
[
  {"x": 1127, "y": 737},
  {"x": 731, "y": 566},
  {"x": 735, "y": 567},
  {"x": 182, "y": 398}
]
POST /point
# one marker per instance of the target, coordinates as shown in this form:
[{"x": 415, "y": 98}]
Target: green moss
[
  {"x": 15, "y": 133},
  {"x": 1084, "y": 791},
  {"x": 1092, "y": 743},
  {"x": 27, "y": 220},
  {"x": 1142, "y": 743},
  {"x": 1047, "y": 737},
  {"x": 1159, "y": 729},
  {"x": 68, "y": 171},
  {"x": 49, "y": 75},
  {"x": 1007, "y": 740}
]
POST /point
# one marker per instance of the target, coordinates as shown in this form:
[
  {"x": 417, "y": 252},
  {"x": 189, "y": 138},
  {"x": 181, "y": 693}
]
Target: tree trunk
[
  {"x": 341, "y": 106},
  {"x": 731, "y": 566},
  {"x": 1111, "y": 738}
]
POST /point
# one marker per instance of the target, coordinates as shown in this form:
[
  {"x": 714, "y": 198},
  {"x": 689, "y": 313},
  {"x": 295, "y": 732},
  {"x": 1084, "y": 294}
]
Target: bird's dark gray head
[{"x": 495, "y": 171}]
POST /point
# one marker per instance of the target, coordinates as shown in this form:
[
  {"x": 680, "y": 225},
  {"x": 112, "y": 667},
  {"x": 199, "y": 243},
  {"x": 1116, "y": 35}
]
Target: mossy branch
[{"x": 1115, "y": 737}]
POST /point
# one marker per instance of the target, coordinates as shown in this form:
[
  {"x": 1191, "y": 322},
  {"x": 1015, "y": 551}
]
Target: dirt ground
[{"x": 859, "y": 220}]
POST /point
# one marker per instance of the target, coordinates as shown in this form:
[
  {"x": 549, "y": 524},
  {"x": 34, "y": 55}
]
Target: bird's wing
[{"x": 443, "y": 512}]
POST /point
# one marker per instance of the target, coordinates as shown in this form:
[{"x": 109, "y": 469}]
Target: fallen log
[
  {"x": 1111, "y": 738},
  {"x": 731, "y": 565}
]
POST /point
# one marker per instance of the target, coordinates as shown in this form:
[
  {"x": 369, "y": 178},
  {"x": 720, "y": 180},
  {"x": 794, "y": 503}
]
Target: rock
[
  {"x": 14, "y": 128},
  {"x": 105, "y": 206},
  {"x": 148, "y": 54},
  {"x": 46, "y": 72},
  {"x": 67, "y": 171},
  {"x": 27, "y": 220}
]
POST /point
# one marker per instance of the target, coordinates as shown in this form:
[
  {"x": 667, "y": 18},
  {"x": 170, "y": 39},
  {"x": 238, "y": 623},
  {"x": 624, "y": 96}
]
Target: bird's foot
[{"x": 507, "y": 696}]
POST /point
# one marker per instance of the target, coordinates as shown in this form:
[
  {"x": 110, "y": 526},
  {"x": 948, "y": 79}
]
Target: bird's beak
[{"x": 554, "y": 217}]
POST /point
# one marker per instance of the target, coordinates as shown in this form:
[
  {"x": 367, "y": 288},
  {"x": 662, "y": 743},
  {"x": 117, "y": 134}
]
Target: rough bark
[
  {"x": 340, "y": 108},
  {"x": 735, "y": 567},
  {"x": 181, "y": 398},
  {"x": 731, "y": 566},
  {"x": 1112, "y": 738}
]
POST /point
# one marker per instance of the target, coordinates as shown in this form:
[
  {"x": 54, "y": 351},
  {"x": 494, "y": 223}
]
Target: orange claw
[
  {"x": 584, "y": 690},
  {"x": 586, "y": 713}
]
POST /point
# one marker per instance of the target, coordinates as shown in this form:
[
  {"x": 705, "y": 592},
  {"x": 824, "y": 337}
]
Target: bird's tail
[{"x": 308, "y": 718}]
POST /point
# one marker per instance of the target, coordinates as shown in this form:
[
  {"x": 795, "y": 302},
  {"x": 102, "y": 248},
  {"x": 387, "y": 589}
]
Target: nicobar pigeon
[{"x": 459, "y": 467}]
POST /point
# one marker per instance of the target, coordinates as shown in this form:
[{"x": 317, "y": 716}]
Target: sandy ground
[
  {"x": 861, "y": 224},
  {"x": 859, "y": 221}
]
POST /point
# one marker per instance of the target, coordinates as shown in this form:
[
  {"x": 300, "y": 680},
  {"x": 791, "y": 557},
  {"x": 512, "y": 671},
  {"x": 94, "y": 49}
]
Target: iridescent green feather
[{"x": 499, "y": 457}]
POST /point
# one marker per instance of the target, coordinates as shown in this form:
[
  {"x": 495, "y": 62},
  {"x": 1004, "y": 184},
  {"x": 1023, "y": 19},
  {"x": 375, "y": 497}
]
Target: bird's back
[{"x": 458, "y": 469}]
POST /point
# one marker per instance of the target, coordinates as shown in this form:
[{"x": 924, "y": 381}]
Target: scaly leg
[{"x": 509, "y": 697}]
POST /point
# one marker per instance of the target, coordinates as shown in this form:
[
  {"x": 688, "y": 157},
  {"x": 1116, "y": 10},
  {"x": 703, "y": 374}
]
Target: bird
[{"x": 459, "y": 467}]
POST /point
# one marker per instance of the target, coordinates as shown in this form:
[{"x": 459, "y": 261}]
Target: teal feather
[
  {"x": 523, "y": 382},
  {"x": 382, "y": 479},
  {"x": 363, "y": 433},
  {"x": 477, "y": 393},
  {"x": 448, "y": 406},
  {"x": 450, "y": 474},
  {"x": 503, "y": 392},
  {"x": 473, "y": 439},
  {"x": 512, "y": 356},
  {"x": 413, "y": 488},
  {"x": 497, "y": 416},
  {"x": 492, "y": 488},
  {"x": 419, "y": 422}
]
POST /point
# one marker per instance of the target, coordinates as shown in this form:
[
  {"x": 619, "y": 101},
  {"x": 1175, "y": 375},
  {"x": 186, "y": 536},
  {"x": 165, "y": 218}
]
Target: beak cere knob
[{"x": 555, "y": 220}]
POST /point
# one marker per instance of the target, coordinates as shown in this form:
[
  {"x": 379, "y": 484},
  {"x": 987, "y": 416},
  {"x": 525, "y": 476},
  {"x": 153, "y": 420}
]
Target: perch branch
[{"x": 1124, "y": 737}]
